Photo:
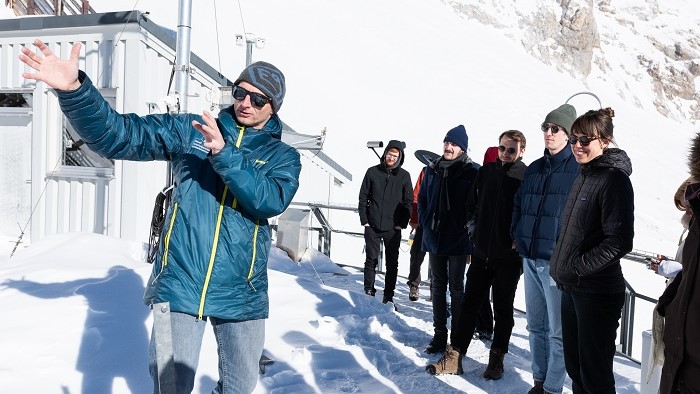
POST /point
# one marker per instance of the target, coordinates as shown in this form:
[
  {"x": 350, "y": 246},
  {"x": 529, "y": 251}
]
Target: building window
[{"x": 77, "y": 154}]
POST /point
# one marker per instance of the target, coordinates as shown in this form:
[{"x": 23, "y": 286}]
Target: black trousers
[
  {"x": 500, "y": 275},
  {"x": 589, "y": 323},
  {"x": 392, "y": 241},
  {"x": 446, "y": 270},
  {"x": 417, "y": 257}
]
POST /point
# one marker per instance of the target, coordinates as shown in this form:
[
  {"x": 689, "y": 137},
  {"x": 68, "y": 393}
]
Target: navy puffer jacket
[
  {"x": 539, "y": 202},
  {"x": 446, "y": 234},
  {"x": 213, "y": 258}
]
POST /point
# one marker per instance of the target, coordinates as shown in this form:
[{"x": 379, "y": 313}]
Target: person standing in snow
[
  {"x": 597, "y": 230},
  {"x": 385, "y": 208},
  {"x": 417, "y": 254},
  {"x": 495, "y": 262},
  {"x": 442, "y": 215},
  {"x": 536, "y": 212},
  {"x": 680, "y": 303},
  {"x": 231, "y": 173}
]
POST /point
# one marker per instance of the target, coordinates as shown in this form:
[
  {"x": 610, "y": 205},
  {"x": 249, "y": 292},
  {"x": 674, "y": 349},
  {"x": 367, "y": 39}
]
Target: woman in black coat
[{"x": 597, "y": 229}]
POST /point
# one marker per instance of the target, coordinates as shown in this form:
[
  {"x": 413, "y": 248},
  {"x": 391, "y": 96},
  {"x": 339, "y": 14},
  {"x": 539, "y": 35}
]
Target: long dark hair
[{"x": 595, "y": 123}]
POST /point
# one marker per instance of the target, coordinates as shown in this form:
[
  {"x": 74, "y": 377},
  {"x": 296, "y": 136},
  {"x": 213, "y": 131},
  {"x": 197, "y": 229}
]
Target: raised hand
[
  {"x": 56, "y": 72},
  {"x": 210, "y": 130}
]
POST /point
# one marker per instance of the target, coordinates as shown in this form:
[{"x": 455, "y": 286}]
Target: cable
[
  {"x": 133, "y": 9},
  {"x": 22, "y": 230},
  {"x": 240, "y": 12},
  {"x": 216, "y": 25}
]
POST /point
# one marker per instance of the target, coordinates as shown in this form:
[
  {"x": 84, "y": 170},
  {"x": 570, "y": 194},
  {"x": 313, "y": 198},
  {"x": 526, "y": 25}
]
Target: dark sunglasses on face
[
  {"x": 257, "y": 99},
  {"x": 583, "y": 140},
  {"x": 548, "y": 126},
  {"x": 510, "y": 151}
]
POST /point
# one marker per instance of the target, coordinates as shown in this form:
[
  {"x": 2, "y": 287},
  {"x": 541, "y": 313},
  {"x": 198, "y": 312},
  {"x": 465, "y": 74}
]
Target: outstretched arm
[{"x": 56, "y": 72}]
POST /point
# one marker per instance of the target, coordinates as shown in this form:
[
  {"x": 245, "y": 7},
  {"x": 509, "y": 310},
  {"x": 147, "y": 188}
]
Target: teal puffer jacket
[{"x": 216, "y": 240}]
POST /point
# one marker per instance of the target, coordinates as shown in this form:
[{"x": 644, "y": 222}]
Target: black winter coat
[
  {"x": 682, "y": 324},
  {"x": 597, "y": 226},
  {"x": 444, "y": 224},
  {"x": 386, "y": 195},
  {"x": 490, "y": 205}
]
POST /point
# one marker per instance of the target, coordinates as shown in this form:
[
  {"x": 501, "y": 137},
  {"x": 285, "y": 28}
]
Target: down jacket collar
[{"x": 611, "y": 158}]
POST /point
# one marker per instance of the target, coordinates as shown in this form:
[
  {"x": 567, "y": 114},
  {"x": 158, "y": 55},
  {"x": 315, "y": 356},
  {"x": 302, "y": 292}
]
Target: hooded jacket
[
  {"x": 597, "y": 226},
  {"x": 386, "y": 194},
  {"x": 442, "y": 210},
  {"x": 213, "y": 258},
  {"x": 539, "y": 202},
  {"x": 490, "y": 205},
  {"x": 682, "y": 312}
]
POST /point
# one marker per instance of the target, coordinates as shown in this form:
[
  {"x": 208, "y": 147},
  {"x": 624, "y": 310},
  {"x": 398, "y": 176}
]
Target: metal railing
[{"x": 624, "y": 347}]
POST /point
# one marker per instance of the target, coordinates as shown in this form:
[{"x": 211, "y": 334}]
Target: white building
[{"x": 49, "y": 182}]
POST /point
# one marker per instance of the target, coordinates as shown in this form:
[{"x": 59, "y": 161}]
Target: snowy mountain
[{"x": 648, "y": 50}]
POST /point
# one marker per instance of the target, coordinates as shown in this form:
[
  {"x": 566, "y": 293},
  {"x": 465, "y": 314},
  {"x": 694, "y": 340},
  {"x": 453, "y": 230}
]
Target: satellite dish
[{"x": 426, "y": 157}]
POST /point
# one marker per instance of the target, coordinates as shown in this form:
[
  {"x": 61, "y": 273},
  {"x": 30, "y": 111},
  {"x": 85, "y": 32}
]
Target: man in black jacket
[
  {"x": 384, "y": 205},
  {"x": 495, "y": 262}
]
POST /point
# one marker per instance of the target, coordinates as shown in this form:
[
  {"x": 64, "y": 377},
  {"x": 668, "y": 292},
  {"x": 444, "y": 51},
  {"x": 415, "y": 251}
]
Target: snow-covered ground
[
  {"x": 75, "y": 324},
  {"x": 365, "y": 70}
]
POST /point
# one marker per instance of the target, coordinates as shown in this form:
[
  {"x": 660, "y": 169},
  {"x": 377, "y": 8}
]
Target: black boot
[
  {"x": 494, "y": 370},
  {"x": 438, "y": 344}
]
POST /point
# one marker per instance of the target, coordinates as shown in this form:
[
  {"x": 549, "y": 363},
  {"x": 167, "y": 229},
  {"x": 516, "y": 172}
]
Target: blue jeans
[
  {"x": 543, "y": 305},
  {"x": 239, "y": 344}
]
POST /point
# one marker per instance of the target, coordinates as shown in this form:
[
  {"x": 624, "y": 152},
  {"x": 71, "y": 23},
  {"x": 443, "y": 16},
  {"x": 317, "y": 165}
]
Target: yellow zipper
[
  {"x": 167, "y": 238},
  {"x": 210, "y": 267},
  {"x": 255, "y": 249}
]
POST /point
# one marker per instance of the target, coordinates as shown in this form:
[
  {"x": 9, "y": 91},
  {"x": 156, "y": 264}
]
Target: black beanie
[
  {"x": 563, "y": 116},
  {"x": 458, "y": 136},
  {"x": 268, "y": 78}
]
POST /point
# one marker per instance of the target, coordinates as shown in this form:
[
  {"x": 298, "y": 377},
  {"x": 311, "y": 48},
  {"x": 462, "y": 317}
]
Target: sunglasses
[
  {"x": 392, "y": 156},
  {"x": 548, "y": 126},
  {"x": 257, "y": 99},
  {"x": 510, "y": 151},
  {"x": 583, "y": 140}
]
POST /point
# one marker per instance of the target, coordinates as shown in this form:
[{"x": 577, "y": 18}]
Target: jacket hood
[
  {"x": 694, "y": 158},
  {"x": 611, "y": 158},
  {"x": 400, "y": 145}
]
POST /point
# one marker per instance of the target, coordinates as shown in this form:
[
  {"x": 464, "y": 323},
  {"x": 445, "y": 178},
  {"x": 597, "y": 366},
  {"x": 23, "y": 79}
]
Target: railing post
[{"x": 86, "y": 7}]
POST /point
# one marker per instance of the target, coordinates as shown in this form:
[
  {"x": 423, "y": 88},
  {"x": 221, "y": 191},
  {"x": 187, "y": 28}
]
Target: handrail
[{"x": 628, "y": 311}]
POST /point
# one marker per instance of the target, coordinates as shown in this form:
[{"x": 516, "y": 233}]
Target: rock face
[{"x": 654, "y": 45}]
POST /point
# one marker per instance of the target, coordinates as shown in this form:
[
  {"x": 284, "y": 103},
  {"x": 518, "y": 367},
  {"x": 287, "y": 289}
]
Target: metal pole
[
  {"x": 182, "y": 55},
  {"x": 248, "y": 52}
]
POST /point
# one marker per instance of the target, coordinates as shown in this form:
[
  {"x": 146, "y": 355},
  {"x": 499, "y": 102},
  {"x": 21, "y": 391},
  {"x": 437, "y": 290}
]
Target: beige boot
[{"x": 449, "y": 364}]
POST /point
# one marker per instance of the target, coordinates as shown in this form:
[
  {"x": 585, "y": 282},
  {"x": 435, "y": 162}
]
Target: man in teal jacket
[{"x": 232, "y": 174}]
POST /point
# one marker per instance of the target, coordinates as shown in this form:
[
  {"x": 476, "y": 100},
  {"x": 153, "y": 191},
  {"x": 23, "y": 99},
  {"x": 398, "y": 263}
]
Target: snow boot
[
  {"x": 438, "y": 344},
  {"x": 538, "y": 388},
  {"x": 449, "y": 364},
  {"x": 413, "y": 293},
  {"x": 494, "y": 370}
]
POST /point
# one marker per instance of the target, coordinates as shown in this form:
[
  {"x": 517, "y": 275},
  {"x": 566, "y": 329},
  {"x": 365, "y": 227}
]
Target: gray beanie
[
  {"x": 268, "y": 78},
  {"x": 563, "y": 116}
]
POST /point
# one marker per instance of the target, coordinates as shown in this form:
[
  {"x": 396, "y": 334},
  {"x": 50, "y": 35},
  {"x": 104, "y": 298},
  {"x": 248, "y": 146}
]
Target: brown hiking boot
[
  {"x": 449, "y": 364},
  {"x": 413, "y": 293},
  {"x": 494, "y": 370}
]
